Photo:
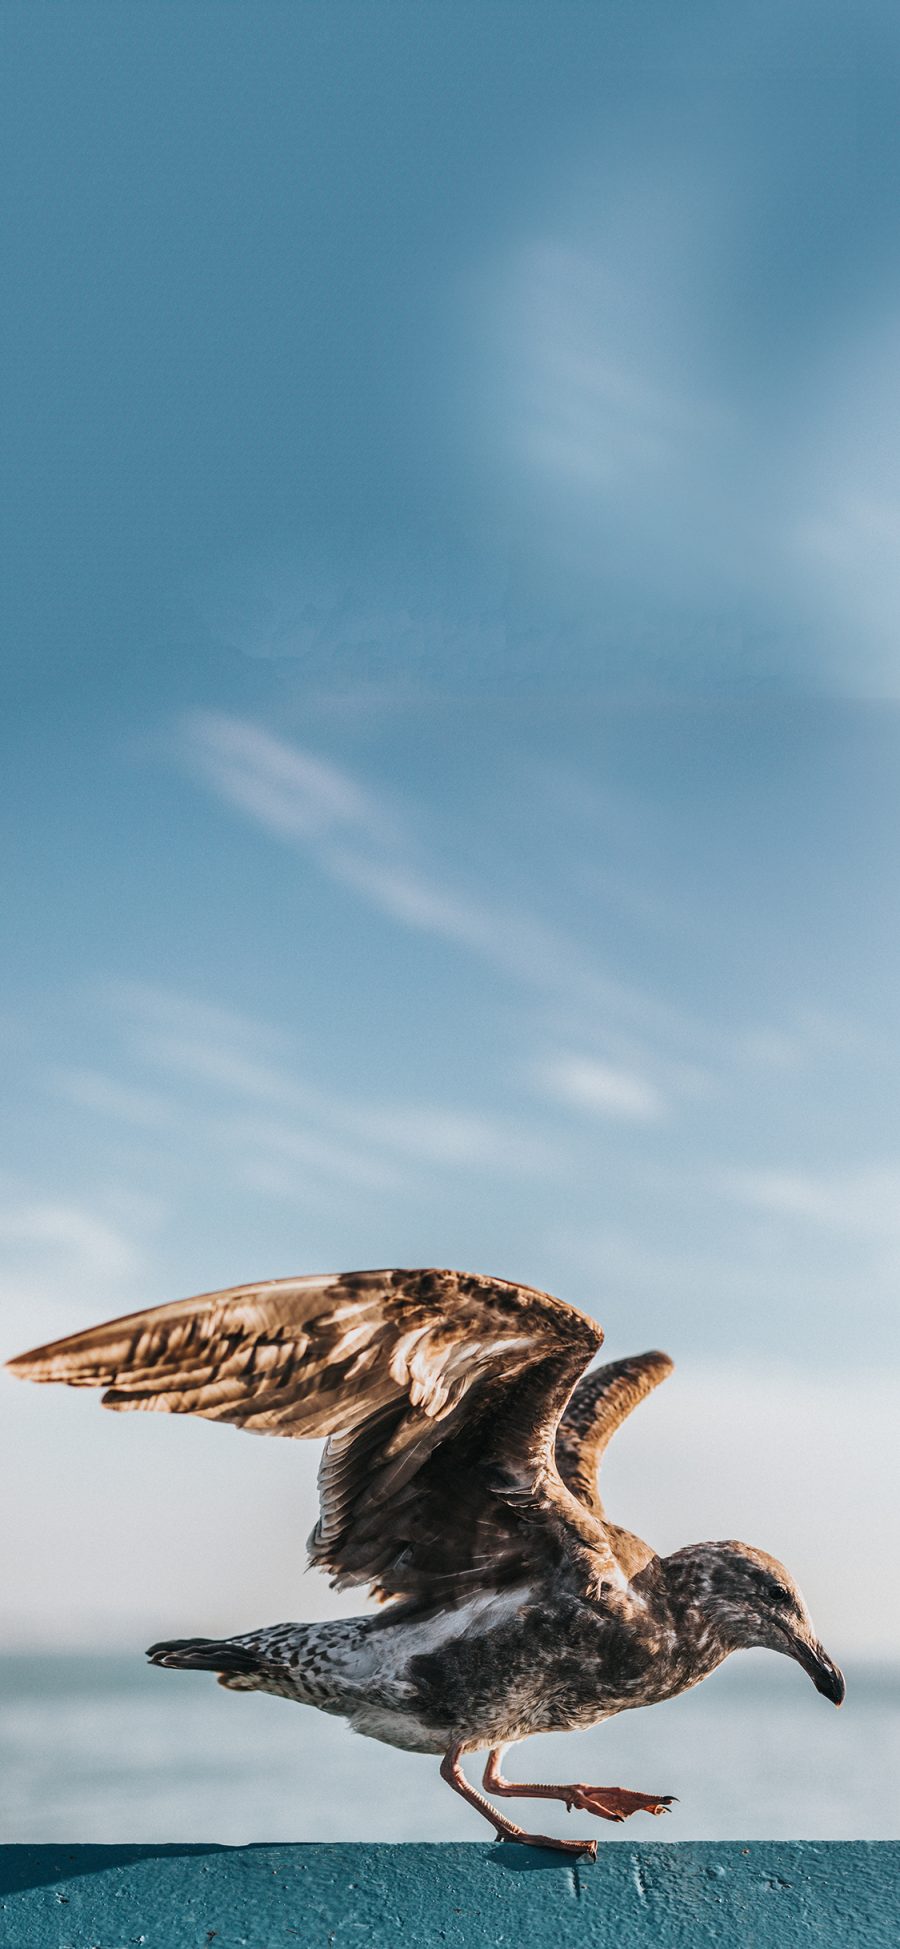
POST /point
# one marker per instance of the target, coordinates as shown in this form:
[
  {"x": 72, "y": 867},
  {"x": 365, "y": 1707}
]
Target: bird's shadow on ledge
[
  {"x": 41, "y": 1865},
  {"x": 535, "y": 1860}
]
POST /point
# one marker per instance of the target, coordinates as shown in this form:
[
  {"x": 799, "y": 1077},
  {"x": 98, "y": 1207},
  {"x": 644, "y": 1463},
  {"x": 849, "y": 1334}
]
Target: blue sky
[{"x": 451, "y": 737}]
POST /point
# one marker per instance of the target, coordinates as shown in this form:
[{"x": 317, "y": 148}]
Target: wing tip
[
  {"x": 27, "y": 1366},
  {"x": 60, "y": 1360}
]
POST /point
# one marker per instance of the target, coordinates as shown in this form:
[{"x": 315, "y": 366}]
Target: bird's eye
[{"x": 779, "y": 1594}]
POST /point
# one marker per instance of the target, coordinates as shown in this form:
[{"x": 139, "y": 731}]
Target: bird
[{"x": 464, "y": 1425}]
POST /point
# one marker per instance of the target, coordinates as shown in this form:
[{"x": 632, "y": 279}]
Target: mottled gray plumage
[{"x": 458, "y": 1481}]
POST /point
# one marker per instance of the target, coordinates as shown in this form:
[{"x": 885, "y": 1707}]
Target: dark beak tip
[{"x": 830, "y": 1683}]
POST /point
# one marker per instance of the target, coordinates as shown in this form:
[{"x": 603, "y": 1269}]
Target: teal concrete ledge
[{"x": 778, "y": 1894}]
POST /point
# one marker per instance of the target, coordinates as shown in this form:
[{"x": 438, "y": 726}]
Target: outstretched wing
[
  {"x": 598, "y": 1406},
  {"x": 440, "y": 1394}
]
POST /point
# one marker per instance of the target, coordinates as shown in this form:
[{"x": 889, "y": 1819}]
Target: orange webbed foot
[{"x": 616, "y": 1803}]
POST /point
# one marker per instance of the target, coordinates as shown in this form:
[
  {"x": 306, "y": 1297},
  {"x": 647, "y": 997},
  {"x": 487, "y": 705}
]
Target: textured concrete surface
[{"x": 772, "y": 1894}]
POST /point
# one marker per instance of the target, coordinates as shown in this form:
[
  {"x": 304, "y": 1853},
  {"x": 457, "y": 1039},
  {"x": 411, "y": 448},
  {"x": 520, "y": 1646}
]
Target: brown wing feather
[
  {"x": 439, "y": 1392},
  {"x": 598, "y": 1406}
]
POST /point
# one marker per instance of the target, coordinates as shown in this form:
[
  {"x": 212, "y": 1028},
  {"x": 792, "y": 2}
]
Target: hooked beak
[{"x": 825, "y": 1674}]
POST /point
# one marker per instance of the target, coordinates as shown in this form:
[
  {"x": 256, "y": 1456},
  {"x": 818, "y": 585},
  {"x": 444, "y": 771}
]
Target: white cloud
[
  {"x": 771, "y": 1048},
  {"x": 63, "y": 1262},
  {"x": 223, "y": 1068},
  {"x": 844, "y": 548},
  {"x": 864, "y": 1200},
  {"x": 172, "y": 1013},
  {"x": 604, "y": 1089},
  {"x": 455, "y": 1138},
  {"x": 296, "y": 795},
  {"x": 282, "y": 1156},
  {"x": 280, "y": 1129},
  {"x": 692, "y": 1273},
  {"x": 202, "y": 1042},
  {"x": 354, "y": 841},
  {"x": 411, "y": 897},
  {"x": 853, "y": 550},
  {"x": 607, "y": 434},
  {"x": 517, "y": 943},
  {"x": 595, "y": 406},
  {"x": 89, "y": 1089},
  {"x": 69, "y": 1230},
  {"x": 810, "y": 1036}
]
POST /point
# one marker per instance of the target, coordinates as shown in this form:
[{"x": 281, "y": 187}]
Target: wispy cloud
[
  {"x": 221, "y": 1068},
  {"x": 203, "y": 1043},
  {"x": 279, "y": 1156},
  {"x": 69, "y": 1230},
  {"x": 356, "y": 841},
  {"x": 90, "y": 1089},
  {"x": 676, "y": 1280},
  {"x": 278, "y": 1123},
  {"x": 598, "y": 407},
  {"x": 845, "y": 547},
  {"x": 634, "y": 1071},
  {"x": 64, "y": 1261},
  {"x": 300, "y": 798},
  {"x": 173, "y": 1013},
  {"x": 864, "y": 1200},
  {"x": 808, "y": 1036},
  {"x": 603, "y": 1090},
  {"x": 294, "y": 794},
  {"x": 452, "y": 1138},
  {"x": 613, "y": 432}
]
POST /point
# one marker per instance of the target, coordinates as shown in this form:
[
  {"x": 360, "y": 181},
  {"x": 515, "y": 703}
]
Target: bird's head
[{"x": 747, "y": 1598}]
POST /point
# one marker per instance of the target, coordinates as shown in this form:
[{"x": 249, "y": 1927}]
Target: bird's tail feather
[{"x": 227, "y": 1656}]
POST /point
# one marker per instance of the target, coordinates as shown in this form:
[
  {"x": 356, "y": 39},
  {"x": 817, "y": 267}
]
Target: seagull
[{"x": 459, "y": 1482}]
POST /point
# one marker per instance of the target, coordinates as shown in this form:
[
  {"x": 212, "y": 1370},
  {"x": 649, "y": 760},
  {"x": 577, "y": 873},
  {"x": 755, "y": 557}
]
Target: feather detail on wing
[
  {"x": 439, "y": 1394},
  {"x": 598, "y": 1406}
]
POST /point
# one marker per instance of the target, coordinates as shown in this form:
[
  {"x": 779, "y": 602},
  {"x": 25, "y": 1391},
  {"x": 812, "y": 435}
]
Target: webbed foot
[{"x": 615, "y": 1803}]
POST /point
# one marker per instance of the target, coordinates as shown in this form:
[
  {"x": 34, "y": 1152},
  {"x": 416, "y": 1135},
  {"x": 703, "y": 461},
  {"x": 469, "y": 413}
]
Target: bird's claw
[
  {"x": 550, "y": 1841},
  {"x": 616, "y": 1803}
]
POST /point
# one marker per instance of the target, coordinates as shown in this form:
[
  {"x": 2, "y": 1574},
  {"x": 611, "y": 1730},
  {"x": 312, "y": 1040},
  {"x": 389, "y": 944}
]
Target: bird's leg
[
  {"x": 608, "y": 1803},
  {"x": 506, "y": 1830}
]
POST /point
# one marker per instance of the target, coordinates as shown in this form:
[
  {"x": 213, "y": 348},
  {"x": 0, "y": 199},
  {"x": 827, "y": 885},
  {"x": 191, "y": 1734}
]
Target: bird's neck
[{"x": 702, "y": 1626}]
